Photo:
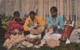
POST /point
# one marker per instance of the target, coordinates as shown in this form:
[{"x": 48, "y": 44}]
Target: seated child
[
  {"x": 15, "y": 37},
  {"x": 34, "y": 38},
  {"x": 66, "y": 32}
]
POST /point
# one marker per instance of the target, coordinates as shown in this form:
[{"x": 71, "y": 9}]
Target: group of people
[
  {"x": 35, "y": 31},
  {"x": 54, "y": 20}
]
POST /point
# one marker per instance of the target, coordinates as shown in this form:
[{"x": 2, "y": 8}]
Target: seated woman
[
  {"x": 16, "y": 23},
  {"x": 33, "y": 22},
  {"x": 55, "y": 20},
  {"x": 33, "y": 28}
]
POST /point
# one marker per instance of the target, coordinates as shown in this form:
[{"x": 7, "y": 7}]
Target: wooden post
[
  {"x": 61, "y": 7},
  {"x": 46, "y": 9},
  {"x": 40, "y": 8}
]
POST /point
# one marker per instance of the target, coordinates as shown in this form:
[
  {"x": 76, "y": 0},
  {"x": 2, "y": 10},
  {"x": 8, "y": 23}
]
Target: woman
[
  {"x": 16, "y": 23},
  {"x": 55, "y": 20}
]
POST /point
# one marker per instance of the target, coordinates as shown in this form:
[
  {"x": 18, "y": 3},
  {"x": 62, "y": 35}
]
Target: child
[
  {"x": 15, "y": 38},
  {"x": 34, "y": 38},
  {"x": 66, "y": 32}
]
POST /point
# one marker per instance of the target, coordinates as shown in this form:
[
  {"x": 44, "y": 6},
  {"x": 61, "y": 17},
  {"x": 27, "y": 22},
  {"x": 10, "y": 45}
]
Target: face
[
  {"x": 32, "y": 16},
  {"x": 53, "y": 13},
  {"x": 16, "y": 17}
]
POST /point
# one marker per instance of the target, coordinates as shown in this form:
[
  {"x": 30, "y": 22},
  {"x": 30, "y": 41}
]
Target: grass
[{"x": 72, "y": 46}]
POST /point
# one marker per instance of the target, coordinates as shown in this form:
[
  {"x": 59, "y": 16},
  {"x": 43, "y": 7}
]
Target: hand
[
  {"x": 46, "y": 26},
  {"x": 31, "y": 30}
]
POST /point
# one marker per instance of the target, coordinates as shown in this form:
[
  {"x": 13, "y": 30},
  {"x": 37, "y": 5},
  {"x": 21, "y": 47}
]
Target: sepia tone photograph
[{"x": 39, "y": 24}]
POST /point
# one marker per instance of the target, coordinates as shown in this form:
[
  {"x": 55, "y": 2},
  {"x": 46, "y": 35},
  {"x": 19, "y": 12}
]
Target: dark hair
[
  {"x": 32, "y": 13},
  {"x": 54, "y": 8},
  {"x": 16, "y": 13}
]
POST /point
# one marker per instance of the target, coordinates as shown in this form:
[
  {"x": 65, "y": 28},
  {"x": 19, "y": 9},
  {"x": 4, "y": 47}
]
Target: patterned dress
[{"x": 14, "y": 25}]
